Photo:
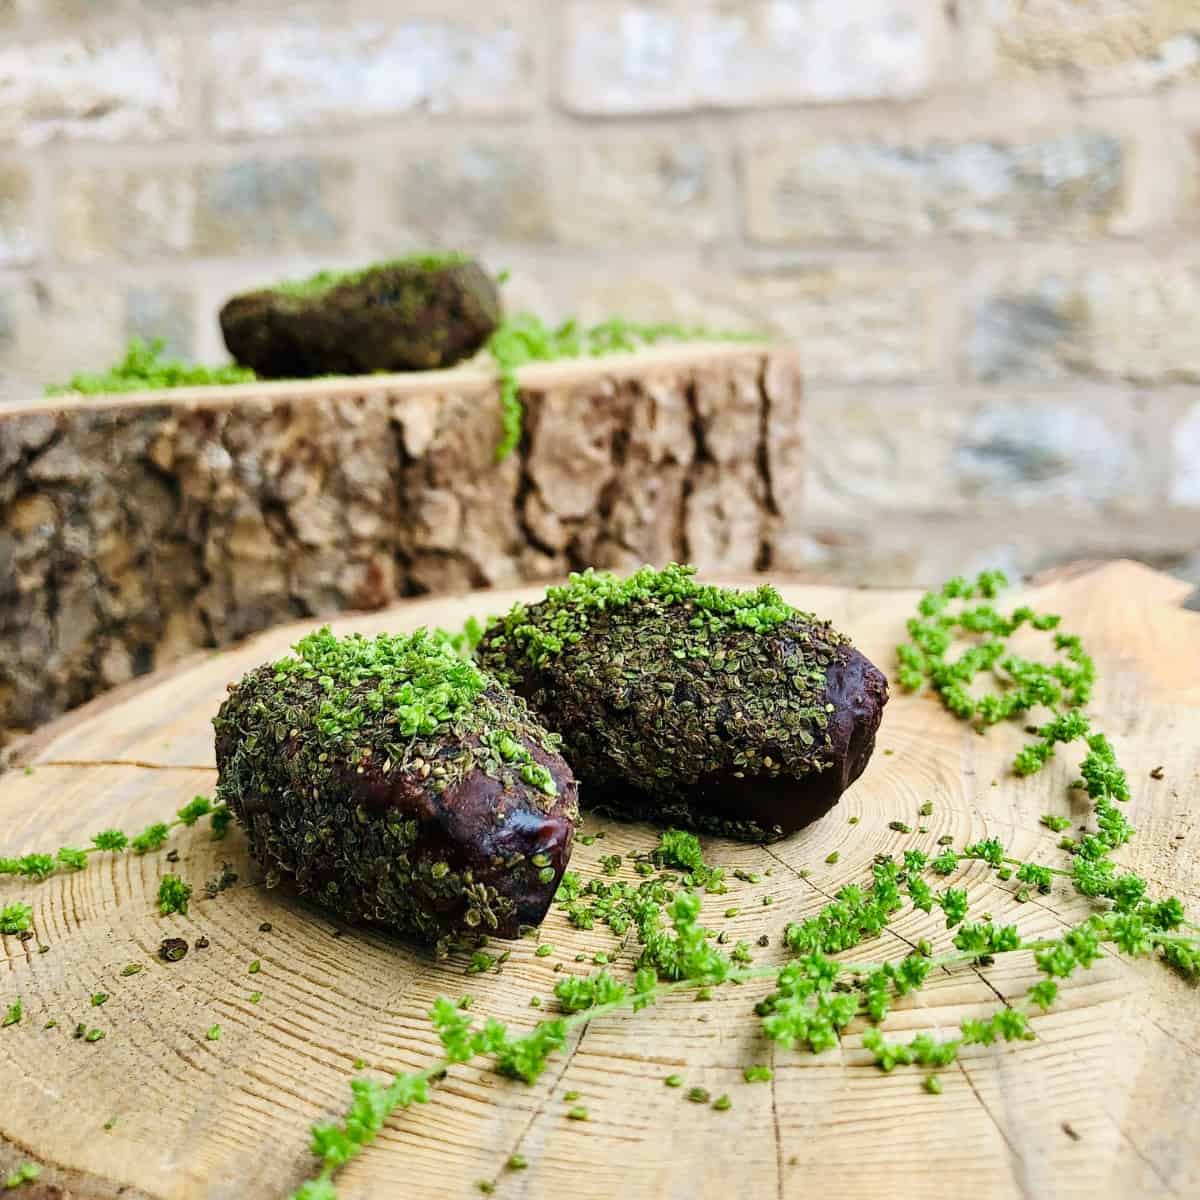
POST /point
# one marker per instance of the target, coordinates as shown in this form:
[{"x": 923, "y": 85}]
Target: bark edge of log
[{"x": 135, "y": 529}]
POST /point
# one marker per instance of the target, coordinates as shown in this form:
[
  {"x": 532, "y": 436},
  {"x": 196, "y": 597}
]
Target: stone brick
[
  {"x": 1139, "y": 322},
  {"x": 1106, "y": 46},
  {"x": 906, "y": 551},
  {"x": 656, "y": 190},
  {"x": 292, "y": 78},
  {"x": 630, "y": 57},
  {"x": 796, "y": 51},
  {"x": 850, "y": 324},
  {"x": 127, "y": 213},
  {"x": 301, "y": 203},
  {"x": 472, "y": 191},
  {"x": 164, "y": 312},
  {"x": 16, "y": 217},
  {"x": 1185, "y": 460},
  {"x": 49, "y": 329},
  {"x": 877, "y": 453},
  {"x": 65, "y": 12},
  {"x": 1020, "y": 334},
  {"x": 876, "y": 191},
  {"x": 916, "y": 451},
  {"x": 646, "y": 56},
  {"x": 1039, "y": 450},
  {"x": 105, "y": 88}
]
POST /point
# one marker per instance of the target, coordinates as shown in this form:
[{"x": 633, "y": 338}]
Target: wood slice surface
[{"x": 1101, "y": 1103}]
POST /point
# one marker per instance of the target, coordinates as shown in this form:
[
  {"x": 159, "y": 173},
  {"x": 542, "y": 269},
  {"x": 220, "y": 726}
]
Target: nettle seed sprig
[{"x": 153, "y": 837}]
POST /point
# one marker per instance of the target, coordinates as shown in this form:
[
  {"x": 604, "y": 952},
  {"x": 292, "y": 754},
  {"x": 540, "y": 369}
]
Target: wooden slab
[
  {"x": 1102, "y": 1103},
  {"x": 135, "y": 528}
]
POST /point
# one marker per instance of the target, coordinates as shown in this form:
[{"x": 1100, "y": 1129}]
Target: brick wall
[{"x": 979, "y": 219}]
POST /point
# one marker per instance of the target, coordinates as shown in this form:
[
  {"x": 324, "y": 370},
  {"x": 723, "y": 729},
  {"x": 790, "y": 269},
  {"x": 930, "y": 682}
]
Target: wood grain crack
[{"x": 537, "y": 1113}]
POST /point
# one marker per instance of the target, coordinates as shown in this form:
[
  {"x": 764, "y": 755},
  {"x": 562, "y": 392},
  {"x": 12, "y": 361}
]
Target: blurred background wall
[{"x": 977, "y": 219}]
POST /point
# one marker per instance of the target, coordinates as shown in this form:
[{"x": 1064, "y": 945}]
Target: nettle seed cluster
[
  {"x": 396, "y": 783},
  {"x": 679, "y": 702},
  {"x": 818, "y": 992}
]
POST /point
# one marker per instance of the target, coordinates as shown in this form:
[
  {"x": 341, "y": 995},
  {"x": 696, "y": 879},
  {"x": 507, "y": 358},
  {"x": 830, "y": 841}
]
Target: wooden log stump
[
  {"x": 135, "y": 528},
  {"x": 1099, "y": 1106}
]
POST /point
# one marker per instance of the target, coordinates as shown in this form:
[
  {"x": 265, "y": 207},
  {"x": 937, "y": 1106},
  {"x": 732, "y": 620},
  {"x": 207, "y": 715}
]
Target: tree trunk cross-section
[
  {"x": 1101, "y": 1105},
  {"x": 134, "y": 529}
]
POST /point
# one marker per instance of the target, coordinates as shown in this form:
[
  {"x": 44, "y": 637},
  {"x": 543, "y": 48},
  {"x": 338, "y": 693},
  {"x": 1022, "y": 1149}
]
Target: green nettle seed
[
  {"x": 674, "y": 1081},
  {"x": 16, "y": 917},
  {"x": 698, "y": 1095},
  {"x": 578, "y": 1113},
  {"x": 27, "y": 1172},
  {"x": 722, "y": 1102},
  {"x": 832, "y": 858},
  {"x": 144, "y": 369}
]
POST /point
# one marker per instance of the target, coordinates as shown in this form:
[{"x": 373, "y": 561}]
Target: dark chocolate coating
[
  {"x": 396, "y": 317},
  {"x": 447, "y": 843}
]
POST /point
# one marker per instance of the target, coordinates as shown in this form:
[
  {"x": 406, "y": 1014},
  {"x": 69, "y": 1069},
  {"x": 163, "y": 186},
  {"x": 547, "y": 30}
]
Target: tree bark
[{"x": 134, "y": 529}]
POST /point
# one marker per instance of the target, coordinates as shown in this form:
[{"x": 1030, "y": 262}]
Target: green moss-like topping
[
  {"x": 419, "y": 680},
  {"x": 323, "y": 281},
  {"x": 143, "y": 369},
  {"x": 566, "y": 613}
]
